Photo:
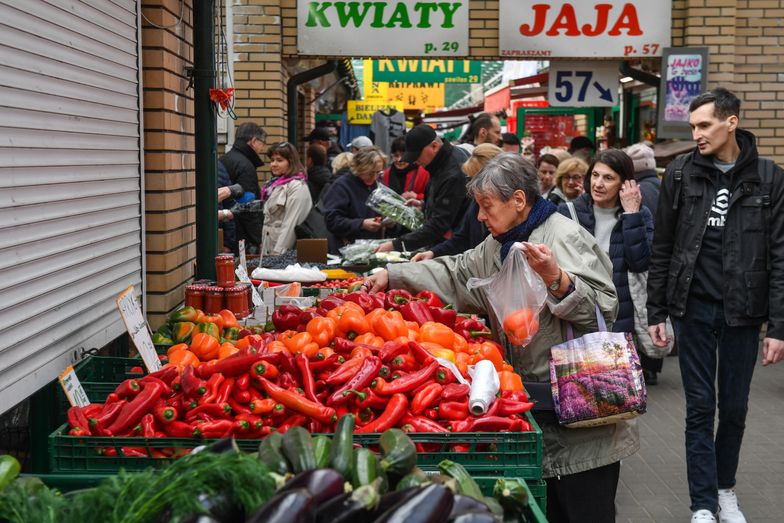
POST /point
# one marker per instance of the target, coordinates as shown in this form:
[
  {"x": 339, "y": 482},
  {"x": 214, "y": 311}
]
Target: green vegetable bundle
[{"x": 390, "y": 204}]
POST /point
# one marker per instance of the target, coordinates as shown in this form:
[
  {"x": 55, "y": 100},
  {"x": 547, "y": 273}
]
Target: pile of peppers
[{"x": 373, "y": 355}]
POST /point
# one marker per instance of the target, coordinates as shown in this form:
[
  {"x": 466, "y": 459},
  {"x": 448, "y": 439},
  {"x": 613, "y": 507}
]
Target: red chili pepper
[
  {"x": 298, "y": 403},
  {"x": 213, "y": 387},
  {"x": 430, "y": 298},
  {"x": 262, "y": 406},
  {"x": 327, "y": 364},
  {"x": 514, "y": 395},
  {"x": 453, "y": 410},
  {"x": 364, "y": 416},
  {"x": 232, "y": 366},
  {"x": 507, "y": 407},
  {"x": 369, "y": 399},
  {"x": 344, "y": 345},
  {"x": 210, "y": 409},
  {"x": 179, "y": 429},
  {"x": 265, "y": 370},
  {"x": 279, "y": 413},
  {"x": 287, "y": 365},
  {"x": 421, "y": 424},
  {"x": 256, "y": 422},
  {"x": 136, "y": 370},
  {"x": 224, "y": 392},
  {"x": 107, "y": 415},
  {"x": 166, "y": 375},
  {"x": 222, "y": 428},
  {"x": 396, "y": 298},
  {"x": 391, "y": 349},
  {"x": 462, "y": 425},
  {"x": 404, "y": 362},
  {"x": 416, "y": 311},
  {"x": 444, "y": 316},
  {"x": 165, "y": 414},
  {"x": 148, "y": 425},
  {"x": 384, "y": 371},
  {"x": 406, "y": 383},
  {"x": 237, "y": 408},
  {"x": 420, "y": 353},
  {"x": 343, "y": 373},
  {"x": 396, "y": 409},
  {"x": 285, "y": 380},
  {"x": 241, "y": 396},
  {"x": 111, "y": 398},
  {"x": 134, "y": 452},
  {"x": 296, "y": 420},
  {"x": 308, "y": 383},
  {"x": 167, "y": 390},
  {"x": 133, "y": 411},
  {"x": 192, "y": 386},
  {"x": 78, "y": 431},
  {"x": 456, "y": 391},
  {"x": 241, "y": 428},
  {"x": 366, "y": 373},
  {"x": 493, "y": 424},
  {"x": 128, "y": 389},
  {"x": 444, "y": 376},
  {"x": 425, "y": 397},
  {"x": 242, "y": 382}
]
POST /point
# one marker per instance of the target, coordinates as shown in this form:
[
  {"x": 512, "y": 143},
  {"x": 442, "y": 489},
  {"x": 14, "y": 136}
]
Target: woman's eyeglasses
[{"x": 573, "y": 178}]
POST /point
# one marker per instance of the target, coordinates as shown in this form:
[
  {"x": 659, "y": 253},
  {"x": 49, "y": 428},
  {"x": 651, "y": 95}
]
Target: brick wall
[{"x": 169, "y": 174}]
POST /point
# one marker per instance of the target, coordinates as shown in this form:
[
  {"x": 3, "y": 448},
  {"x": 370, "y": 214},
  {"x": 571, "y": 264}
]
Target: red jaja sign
[{"x": 581, "y": 28}]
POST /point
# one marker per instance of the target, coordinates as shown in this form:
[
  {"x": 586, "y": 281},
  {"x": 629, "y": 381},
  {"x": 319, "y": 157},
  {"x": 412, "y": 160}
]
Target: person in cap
[
  {"x": 582, "y": 147},
  {"x": 511, "y": 143},
  {"x": 322, "y": 136},
  {"x": 319, "y": 175},
  {"x": 360, "y": 142},
  {"x": 446, "y": 197},
  {"x": 645, "y": 174}
]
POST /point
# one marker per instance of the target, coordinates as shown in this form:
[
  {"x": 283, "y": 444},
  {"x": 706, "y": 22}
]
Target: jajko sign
[
  {"x": 429, "y": 71},
  {"x": 584, "y": 28},
  {"x": 382, "y": 28},
  {"x": 684, "y": 77}
]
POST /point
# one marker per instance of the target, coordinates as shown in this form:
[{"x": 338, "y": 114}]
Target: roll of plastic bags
[{"x": 484, "y": 386}]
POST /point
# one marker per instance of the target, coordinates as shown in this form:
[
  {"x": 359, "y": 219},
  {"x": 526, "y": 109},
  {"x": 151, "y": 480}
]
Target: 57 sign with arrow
[{"x": 583, "y": 84}]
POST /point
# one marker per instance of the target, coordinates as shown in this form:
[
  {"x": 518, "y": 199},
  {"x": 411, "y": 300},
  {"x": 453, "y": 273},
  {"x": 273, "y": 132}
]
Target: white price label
[
  {"x": 73, "y": 389},
  {"x": 583, "y": 84},
  {"x": 243, "y": 256},
  {"x": 242, "y": 274},
  {"x": 138, "y": 329}
]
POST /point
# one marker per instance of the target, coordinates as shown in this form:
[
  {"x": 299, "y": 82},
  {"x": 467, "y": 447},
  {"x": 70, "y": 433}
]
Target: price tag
[
  {"x": 73, "y": 388},
  {"x": 243, "y": 258},
  {"x": 138, "y": 329},
  {"x": 242, "y": 274}
]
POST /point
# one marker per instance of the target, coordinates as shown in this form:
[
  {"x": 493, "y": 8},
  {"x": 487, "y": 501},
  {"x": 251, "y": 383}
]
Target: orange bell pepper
[
  {"x": 489, "y": 350},
  {"x": 337, "y": 312},
  {"x": 460, "y": 344},
  {"x": 390, "y": 325},
  {"x": 370, "y": 339},
  {"x": 309, "y": 350},
  {"x": 352, "y": 323},
  {"x": 199, "y": 316},
  {"x": 175, "y": 348},
  {"x": 227, "y": 349},
  {"x": 183, "y": 358},
  {"x": 462, "y": 362},
  {"x": 204, "y": 346},
  {"x": 322, "y": 330},
  {"x": 520, "y": 326},
  {"x": 439, "y": 333},
  {"x": 229, "y": 319},
  {"x": 371, "y": 317},
  {"x": 295, "y": 341},
  {"x": 243, "y": 344},
  {"x": 360, "y": 352},
  {"x": 217, "y": 319},
  {"x": 324, "y": 353},
  {"x": 412, "y": 325},
  {"x": 438, "y": 351},
  {"x": 510, "y": 380},
  {"x": 413, "y": 335},
  {"x": 507, "y": 367},
  {"x": 276, "y": 346}
]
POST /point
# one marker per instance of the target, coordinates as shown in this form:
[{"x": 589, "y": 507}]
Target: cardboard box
[{"x": 312, "y": 250}]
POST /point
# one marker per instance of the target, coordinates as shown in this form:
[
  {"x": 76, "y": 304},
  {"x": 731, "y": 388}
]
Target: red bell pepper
[
  {"x": 396, "y": 409},
  {"x": 425, "y": 397},
  {"x": 472, "y": 330},
  {"x": 366, "y": 373},
  {"x": 396, "y": 298},
  {"x": 453, "y": 410},
  {"x": 362, "y": 299},
  {"x": 430, "y": 298},
  {"x": 421, "y": 424},
  {"x": 456, "y": 392},
  {"x": 416, "y": 311},
  {"x": 286, "y": 317},
  {"x": 444, "y": 316},
  {"x": 308, "y": 382},
  {"x": 298, "y": 403},
  {"x": 305, "y": 317},
  {"x": 128, "y": 389},
  {"x": 495, "y": 424},
  {"x": 514, "y": 395},
  {"x": 133, "y": 411},
  {"x": 406, "y": 383},
  {"x": 432, "y": 413},
  {"x": 134, "y": 452},
  {"x": 328, "y": 303},
  {"x": 192, "y": 386}
]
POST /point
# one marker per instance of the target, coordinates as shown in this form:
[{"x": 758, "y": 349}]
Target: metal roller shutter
[{"x": 70, "y": 182}]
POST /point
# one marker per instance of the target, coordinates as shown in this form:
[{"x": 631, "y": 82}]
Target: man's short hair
[
  {"x": 248, "y": 131},
  {"x": 726, "y": 104},
  {"x": 398, "y": 145},
  {"x": 317, "y": 154},
  {"x": 510, "y": 139},
  {"x": 483, "y": 121}
]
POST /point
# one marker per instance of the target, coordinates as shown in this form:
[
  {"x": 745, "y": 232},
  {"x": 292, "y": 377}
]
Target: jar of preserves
[
  {"x": 224, "y": 270},
  {"x": 237, "y": 300},
  {"x": 194, "y": 296},
  {"x": 250, "y": 307},
  {"x": 213, "y": 299}
]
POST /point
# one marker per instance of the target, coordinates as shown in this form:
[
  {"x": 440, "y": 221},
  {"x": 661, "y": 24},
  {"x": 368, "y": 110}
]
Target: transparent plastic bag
[
  {"x": 390, "y": 204},
  {"x": 360, "y": 251},
  {"x": 516, "y": 294}
]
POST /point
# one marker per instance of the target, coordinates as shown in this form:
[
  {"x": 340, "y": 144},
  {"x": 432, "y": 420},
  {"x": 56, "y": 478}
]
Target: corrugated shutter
[{"x": 70, "y": 182}]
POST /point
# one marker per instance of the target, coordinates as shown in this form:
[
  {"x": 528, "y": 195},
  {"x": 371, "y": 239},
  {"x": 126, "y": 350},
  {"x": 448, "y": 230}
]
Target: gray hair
[
  {"x": 248, "y": 131},
  {"x": 505, "y": 174}
]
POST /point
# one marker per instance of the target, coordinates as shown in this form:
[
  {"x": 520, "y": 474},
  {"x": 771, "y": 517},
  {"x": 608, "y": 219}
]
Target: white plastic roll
[{"x": 484, "y": 387}]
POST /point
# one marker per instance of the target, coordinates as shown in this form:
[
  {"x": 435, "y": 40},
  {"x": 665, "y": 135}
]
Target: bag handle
[
  {"x": 572, "y": 211},
  {"x": 599, "y": 320}
]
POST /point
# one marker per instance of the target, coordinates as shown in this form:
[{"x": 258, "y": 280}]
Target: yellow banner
[
  {"x": 373, "y": 90},
  {"x": 361, "y": 112},
  {"x": 422, "y": 97}
]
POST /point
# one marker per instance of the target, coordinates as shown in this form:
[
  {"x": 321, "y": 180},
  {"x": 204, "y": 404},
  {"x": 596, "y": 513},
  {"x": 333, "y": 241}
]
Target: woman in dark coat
[{"x": 611, "y": 209}]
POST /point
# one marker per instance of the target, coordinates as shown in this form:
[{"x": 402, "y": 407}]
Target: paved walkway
[{"x": 653, "y": 484}]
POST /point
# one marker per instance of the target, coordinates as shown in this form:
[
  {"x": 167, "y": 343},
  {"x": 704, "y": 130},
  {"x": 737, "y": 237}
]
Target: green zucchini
[
  {"x": 493, "y": 504},
  {"x": 322, "y": 446},
  {"x": 270, "y": 453},
  {"x": 468, "y": 486},
  {"x": 341, "y": 455},
  {"x": 298, "y": 449},
  {"x": 399, "y": 453},
  {"x": 365, "y": 468},
  {"x": 415, "y": 478},
  {"x": 9, "y": 469},
  {"x": 511, "y": 494}
]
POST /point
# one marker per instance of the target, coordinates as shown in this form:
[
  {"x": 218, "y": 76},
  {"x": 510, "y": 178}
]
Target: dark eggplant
[
  {"x": 388, "y": 501},
  {"x": 477, "y": 517},
  {"x": 465, "y": 504},
  {"x": 323, "y": 484},
  {"x": 292, "y": 506},
  {"x": 431, "y": 504},
  {"x": 354, "y": 507},
  {"x": 222, "y": 507}
]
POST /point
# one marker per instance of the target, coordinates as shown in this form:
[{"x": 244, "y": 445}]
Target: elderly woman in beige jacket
[{"x": 581, "y": 466}]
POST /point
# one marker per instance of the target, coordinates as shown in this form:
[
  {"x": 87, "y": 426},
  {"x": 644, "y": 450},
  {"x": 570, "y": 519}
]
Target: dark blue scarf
[{"x": 541, "y": 210}]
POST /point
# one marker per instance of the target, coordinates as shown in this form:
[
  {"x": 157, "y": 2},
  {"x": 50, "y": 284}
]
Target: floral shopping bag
[{"x": 596, "y": 379}]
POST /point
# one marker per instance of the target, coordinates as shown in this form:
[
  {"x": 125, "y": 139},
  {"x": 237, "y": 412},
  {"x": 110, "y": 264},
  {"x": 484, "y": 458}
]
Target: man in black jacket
[
  {"x": 717, "y": 270},
  {"x": 241, "y": 162},
  {"x": 445, "y": 199}
]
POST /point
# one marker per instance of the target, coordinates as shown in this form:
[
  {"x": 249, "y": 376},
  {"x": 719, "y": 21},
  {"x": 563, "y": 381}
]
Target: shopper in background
[
  {"x": 548, "y": 165},
  {"x": 471, "y": 231},
  {"x": 645, "y": 174},
  {"x": 241, "y": 163},
  {"x": 611, "y": 210},
  {"x": 342, "y": 164},
  {"x": 322, "y": 136},
  {"x": 581, "y": 466},
  {"x": 486, "y": 128},
  {"x": 286, "y": 199},
  {"x": 359, "y": 142},
  {"x": 409, "y": 180},
  {"x": 582, "y": 147},
  {"x": 445, "y": 201},
  {"x": 511, "y": 143},
  {"x": 569, "y": 181},
  {"x": 345, "y": 209},
  {"x": 319, "y": 174}
]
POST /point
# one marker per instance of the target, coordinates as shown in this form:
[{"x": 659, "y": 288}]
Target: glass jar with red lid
[
  {"x": 224, "y": 270},
  {"x": 194, "y": 296},
  {"x": 237, "y": 300},
  {"x": 213, "y": 299}
]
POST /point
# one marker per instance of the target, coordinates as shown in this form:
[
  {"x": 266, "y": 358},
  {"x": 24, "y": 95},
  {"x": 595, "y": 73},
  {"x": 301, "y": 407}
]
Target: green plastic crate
[
  {"x": 537, "y": 491},
  {"x": 509, "y": 454},
  {"x": 99, "y": 376}
]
